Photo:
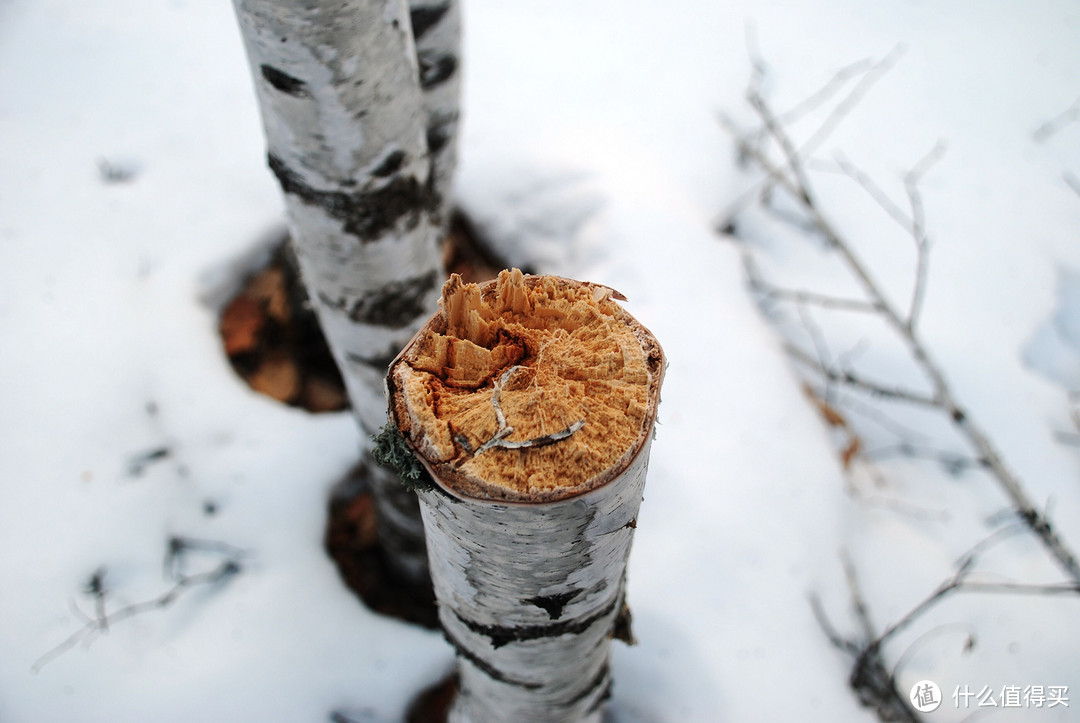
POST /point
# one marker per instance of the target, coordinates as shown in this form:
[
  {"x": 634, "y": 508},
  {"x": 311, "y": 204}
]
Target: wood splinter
[{"x": 531, "y": 400}]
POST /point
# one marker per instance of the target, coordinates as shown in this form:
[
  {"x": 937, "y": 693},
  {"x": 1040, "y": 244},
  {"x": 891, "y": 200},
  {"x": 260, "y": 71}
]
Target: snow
[{"x": 591, "y": 148}]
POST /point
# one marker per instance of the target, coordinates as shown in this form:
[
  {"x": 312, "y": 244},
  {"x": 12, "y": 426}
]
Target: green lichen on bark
[{"x": 391, "y": 450}]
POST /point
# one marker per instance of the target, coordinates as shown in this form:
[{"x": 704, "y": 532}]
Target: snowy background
[{"x": 591, "y": 148}]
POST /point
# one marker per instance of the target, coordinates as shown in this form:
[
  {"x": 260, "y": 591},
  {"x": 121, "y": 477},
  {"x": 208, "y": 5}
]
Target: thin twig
[
  {"x": 851, "y": 379},
  {"x": 812, "y": 298},
  {"x": 838, "y": 640},
  {"x": 852, "y": 99},
  {"x": 933, "y": 632},
  {"x": 819, "y": 97},
  {"x": 103, "y": 621},
  {"x": 951, "y": 462},
  {"x": 918, "y": 230}
]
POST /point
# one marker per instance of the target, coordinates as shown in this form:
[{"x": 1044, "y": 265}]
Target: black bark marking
[
  {"x": 500, "y": 635},
  {"x": 435, "y": 68},
  {"x": 379, "y": 361},
  {"x": 492, "y": 672},
  {"x": 390, "y": 164},
  {"x": 368, "y": 215},
  {"x": 597, "y": 681},
  {"x": 440, "y": 131},
  {"x": 395, "y": 305},
  {"x": 553, "y": 604},
  {"x": 604, "y": 697},
  {"x": 426, "y": 17},
  {"x": 283, "y": 81}
]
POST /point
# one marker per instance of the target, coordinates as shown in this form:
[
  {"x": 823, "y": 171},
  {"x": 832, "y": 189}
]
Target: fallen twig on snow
[
  {"x": 182, "y": 582},
  {"x": 874, "y": 682}
]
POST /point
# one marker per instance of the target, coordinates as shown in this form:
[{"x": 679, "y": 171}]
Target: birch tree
[
  {"x": 359, "y": 104},
  {"x": 531, "y": 402}
]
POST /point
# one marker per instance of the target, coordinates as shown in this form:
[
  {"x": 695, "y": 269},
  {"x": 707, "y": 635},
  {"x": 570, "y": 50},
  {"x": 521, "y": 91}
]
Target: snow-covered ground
[{"x": 591, "y": 148}]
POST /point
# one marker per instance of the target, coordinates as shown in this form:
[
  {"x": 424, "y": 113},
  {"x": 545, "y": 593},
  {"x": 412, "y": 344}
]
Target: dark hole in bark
[
  {"x": 553, "y": 604},
  {"x": 439, "y": 132},
  {"x": 390, "y": 164},
  {"x": 435, "y": 69},
  {"x": 426, "y": 17},
  {"x": 283, "y": 81}
]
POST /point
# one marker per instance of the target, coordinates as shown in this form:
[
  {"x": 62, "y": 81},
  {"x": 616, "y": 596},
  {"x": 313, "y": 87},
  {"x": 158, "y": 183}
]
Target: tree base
[
  {"x": 433, "y": 704},
  {"x": 273, "y": 341},
  {"x": 352, "y": 541},
  {"x": 272, "y": 338}
]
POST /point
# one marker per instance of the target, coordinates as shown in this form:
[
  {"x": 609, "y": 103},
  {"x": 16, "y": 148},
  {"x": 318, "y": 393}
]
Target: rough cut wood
[
  {"x": 531, "y": 400},
  {"x": 529, "y": 388}
]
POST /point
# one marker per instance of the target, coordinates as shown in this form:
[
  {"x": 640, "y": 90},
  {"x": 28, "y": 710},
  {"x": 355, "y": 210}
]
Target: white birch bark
[
  {"x": 436, "y": 29},
  {"x": 340, "y": 90},
  {"x": 528, "y": 534},
  {"x": 529, "y": 594}
]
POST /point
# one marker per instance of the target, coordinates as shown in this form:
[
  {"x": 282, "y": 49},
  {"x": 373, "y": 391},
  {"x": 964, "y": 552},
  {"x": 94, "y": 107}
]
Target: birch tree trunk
[
  {"x": 531, "y": 401},
  {"x": 436, "y": 28},
  {"x": 350, "y": 113}
]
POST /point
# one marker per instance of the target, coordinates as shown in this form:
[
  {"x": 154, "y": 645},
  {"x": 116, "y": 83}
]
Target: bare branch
[
  {"x": 831, "y": 633},
  {"x": 903, "y": 507},
  {"x": 849, "y": 378},
  {"x": 952, "y": 462},
  {"x": 918, "y": 230},
  {"x": 942, "y": 396},
  {"x": 857, "y": 601},
  {"x": 870, "y": 679},
  {"x": 872, "y": 189},
  {"x": 852, "y": 99},
  {"x": 769, "y": 291},
  {"x": 967, "y": 628},
  {"x": 819, "y": 97}
]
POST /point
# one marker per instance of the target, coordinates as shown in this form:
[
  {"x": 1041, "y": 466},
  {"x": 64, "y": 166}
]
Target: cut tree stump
[{"x": 531, "y": 402}]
